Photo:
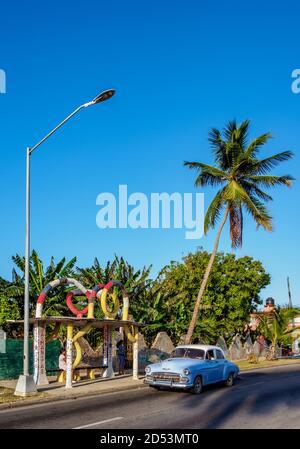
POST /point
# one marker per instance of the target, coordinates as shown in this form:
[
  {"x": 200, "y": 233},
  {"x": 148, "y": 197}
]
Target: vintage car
[{"x": 191, "y": 367}]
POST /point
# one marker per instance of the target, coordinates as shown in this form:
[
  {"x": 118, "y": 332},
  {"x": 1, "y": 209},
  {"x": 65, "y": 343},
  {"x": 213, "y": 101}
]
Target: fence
[{"x": 11, "y": 360}]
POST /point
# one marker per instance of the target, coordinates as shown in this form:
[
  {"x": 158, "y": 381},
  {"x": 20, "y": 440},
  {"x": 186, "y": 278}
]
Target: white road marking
[{"x": 99, "y": 422}]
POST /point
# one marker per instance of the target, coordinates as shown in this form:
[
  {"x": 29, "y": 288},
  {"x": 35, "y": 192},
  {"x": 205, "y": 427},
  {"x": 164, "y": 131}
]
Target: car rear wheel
[
  {"x": 197, "y": 387},
  {"x": 229, "y": 381}
]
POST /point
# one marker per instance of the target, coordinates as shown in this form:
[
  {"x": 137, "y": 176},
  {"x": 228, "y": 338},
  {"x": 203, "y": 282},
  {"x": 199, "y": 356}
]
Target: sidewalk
[{"x": 56, "y": 391}]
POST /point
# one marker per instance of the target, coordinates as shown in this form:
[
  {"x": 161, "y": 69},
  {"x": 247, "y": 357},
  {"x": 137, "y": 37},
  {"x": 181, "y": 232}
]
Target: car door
[
  {"x": 220, "y": 363},
  {"x": 211, "y": 367}
]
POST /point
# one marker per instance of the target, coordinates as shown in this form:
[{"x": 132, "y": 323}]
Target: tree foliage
[
  {"x": 232, "y": 294},
  {"x": 165, "y": 303},
  {"x": 38, "y": 279},
  {"x": 275, "y": 327}
]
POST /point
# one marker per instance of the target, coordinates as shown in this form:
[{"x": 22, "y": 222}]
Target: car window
[
  {"x": 191, "y": 353},
  {"x": 210, "y": 354},
  {"x": 195, "y": 353},
  {"x": 219, "y": 354},
  {"x": 178, "y": 352}
]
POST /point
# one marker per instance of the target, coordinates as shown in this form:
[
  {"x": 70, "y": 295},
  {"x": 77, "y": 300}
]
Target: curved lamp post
[{"x": 26, "y": 385}]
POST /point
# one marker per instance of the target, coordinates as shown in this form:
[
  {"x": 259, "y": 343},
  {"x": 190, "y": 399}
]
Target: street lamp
[{"x": 26, "y": 385}]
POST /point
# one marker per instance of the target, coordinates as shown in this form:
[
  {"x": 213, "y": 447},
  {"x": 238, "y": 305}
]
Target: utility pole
[
  {"x": 295, "y": 342},
  {"x": 290, "y": 296}
]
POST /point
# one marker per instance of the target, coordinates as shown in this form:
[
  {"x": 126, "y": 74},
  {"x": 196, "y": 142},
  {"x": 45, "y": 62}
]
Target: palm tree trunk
[{"x": 192, "y": 325}]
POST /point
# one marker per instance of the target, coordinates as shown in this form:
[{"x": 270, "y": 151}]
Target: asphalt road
[{"x": 261, "y": 399}]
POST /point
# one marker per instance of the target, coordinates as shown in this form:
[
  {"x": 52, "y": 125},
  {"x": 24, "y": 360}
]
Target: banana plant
[{"x": 38, "y": 279}]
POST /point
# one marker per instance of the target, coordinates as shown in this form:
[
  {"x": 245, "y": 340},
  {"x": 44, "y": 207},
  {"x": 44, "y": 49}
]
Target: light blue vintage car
[{"x": 191, "y": 367}]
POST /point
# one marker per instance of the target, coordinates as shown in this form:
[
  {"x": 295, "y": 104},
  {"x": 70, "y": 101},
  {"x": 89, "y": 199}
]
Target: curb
[
  {"x": 64, "y": 397},
  {"x": 248, "y": 370}
]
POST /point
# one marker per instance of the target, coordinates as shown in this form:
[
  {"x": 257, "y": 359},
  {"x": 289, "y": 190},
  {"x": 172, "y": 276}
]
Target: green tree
[
  {"x": 151, "y": 310},
  {"x": 241, "y": 177},
  {"x": 232, "y": 293},
  {"x": 8, "y": 311}
]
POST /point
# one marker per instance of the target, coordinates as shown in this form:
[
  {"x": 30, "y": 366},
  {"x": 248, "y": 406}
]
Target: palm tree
[{"x": 241, "y": 176}]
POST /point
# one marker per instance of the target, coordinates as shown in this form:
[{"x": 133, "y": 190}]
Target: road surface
[{"x": 266, "y": 398}]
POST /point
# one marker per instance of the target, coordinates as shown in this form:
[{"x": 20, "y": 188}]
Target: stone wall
[
  {"x": 160, "y": 350},
  {"x": 11, "y": 361},
  {"x": 237, "y": 350}
]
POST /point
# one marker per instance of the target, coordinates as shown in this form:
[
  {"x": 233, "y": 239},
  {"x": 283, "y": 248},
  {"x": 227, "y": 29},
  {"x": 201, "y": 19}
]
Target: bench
[{"x": 90, "y": 372}]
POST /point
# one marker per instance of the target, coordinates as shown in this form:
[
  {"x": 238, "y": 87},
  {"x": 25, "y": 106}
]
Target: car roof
[{"x": 204, "y": 347}]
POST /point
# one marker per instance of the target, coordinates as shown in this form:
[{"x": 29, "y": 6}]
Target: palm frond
[
  {"x": 235, "y": 193},
  {"x": 208, "y": 175},
  {"x": 229, "y": 130},
  {"x": 271, "y": 181},
  {"x": 241, "y": 134},
  {"x": 255, "y": 145},
  {"x": 263, "y": 166},
  {"x": 251, "y": 188},
  {"x": 218, "y": 146}
]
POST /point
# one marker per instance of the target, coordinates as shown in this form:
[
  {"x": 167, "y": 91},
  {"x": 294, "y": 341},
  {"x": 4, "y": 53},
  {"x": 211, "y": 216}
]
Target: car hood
[{"x": 176, "y": 364}]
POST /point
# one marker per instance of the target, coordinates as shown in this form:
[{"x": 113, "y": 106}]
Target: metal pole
[
  {"x": 27, "y": 255},
  {"x": 31, "y": 150},
  {"x": 25, "y": 385}
]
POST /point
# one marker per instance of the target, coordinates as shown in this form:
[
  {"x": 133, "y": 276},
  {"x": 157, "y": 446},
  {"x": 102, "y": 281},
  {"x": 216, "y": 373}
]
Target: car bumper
[{"x": 168, "y": 383}]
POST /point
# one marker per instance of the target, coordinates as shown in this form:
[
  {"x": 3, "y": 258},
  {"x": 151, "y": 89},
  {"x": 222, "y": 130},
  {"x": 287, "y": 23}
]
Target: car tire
[
  {"x": 229, "y": 381},
  {"x": 197, "y": 387},
  {"x": 155, "y": 387}
]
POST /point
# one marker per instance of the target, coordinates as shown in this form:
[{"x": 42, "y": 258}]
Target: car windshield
[{"x": 190, "y": 353}]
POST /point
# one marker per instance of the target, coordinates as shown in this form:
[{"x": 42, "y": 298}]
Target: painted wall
[{"x": 11, "y": 361}]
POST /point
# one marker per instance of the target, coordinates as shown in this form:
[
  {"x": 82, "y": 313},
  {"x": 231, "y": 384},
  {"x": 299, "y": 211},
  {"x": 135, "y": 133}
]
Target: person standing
[
  {"x": 62, "y": 364},
  {"x": 121, "y": 356}
]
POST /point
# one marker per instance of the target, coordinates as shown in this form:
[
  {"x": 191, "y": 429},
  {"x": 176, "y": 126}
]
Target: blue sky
[{"x": 179, "y": 68}]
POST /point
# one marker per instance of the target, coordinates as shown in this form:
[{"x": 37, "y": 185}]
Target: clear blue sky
[{"x": 179, "y": 68}]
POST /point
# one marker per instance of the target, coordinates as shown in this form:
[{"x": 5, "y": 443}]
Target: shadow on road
[{"x": 255, "y": 394}]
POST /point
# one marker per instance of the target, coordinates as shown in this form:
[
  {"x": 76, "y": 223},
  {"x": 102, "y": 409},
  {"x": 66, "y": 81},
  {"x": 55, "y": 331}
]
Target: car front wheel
[
  {"x": 197, "y": 387},
  {"x": 229, "y": 381}
]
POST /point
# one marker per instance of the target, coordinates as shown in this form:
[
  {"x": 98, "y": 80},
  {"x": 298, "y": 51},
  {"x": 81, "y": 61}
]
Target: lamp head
[{"x": 105, "y": 95}]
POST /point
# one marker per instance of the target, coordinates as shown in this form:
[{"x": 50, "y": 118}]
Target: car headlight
[
  {"x": 186, "y": 372},
  {"x": 148, "y": 369}
]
